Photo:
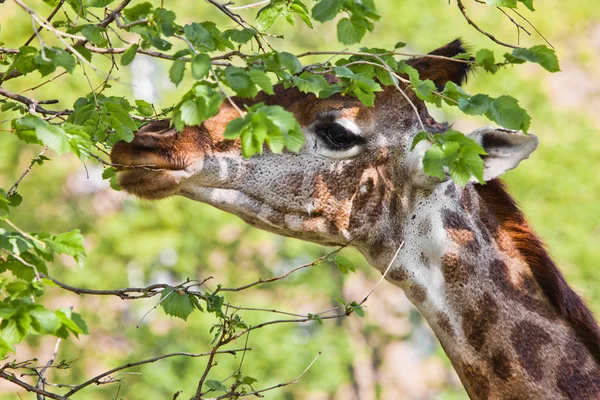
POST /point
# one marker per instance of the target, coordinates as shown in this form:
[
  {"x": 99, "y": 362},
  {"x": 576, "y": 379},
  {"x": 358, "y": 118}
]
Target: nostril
[
  {"x": 152, "y": 134},
  {"x": 158, "y": 128}
]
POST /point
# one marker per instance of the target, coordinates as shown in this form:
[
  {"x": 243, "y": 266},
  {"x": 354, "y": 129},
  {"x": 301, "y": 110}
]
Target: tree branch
[{"x": 463, "y": 10}]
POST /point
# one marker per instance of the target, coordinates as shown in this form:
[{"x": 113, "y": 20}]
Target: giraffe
[{"x": 465, "y": 256}]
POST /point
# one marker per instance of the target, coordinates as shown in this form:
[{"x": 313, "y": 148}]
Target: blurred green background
[{"x": 390, "y": 354}]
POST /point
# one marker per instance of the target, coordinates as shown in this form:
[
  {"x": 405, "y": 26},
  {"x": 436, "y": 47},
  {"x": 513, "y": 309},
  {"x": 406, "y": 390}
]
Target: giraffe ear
[
  {"x": 440, "y": 70},
  {"x": 505, "y": 149}
]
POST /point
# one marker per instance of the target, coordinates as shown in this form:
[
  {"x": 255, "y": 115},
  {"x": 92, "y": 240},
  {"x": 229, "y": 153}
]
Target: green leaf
[
  {"x": 326, "y": 10},
  {"x": 201, "y": 64},
  {"x": 129, "y": 54},
  {"x": 357, "y": 308},
  {"x": 137, "y": 12},
  {"x": 528, "y": 4},
  {"x": 15, "y": 330},
  {"x": 434, "y": 161},
  {"x": 502, "y": 3},
  {"x": 32, "y": 129},
  {"x": 177, "y": 303},
  {"x": 176, "y": 71},
  {"x": 343, "y": 264},
  {"x": 84, "y": 52},
  {"x": 271, "y": 124},
  {"x": 248, "y": 380},
  {"x": 239, "y": 80},
  {"x": 399, "y": 45},
  {"x": 240, "y": 36},
  {"x": 267, "y": 15},
  {"x": 215, "y": 385},
  {"x": 299, "y": 8},
  {"x": 5, "y": 347},
  {"x": 111, "y": 174},
  {"x": 475, "y": 105},
  {"x": 95, "y": 34},
  {"x": 72, "y": 322},
  {"x": 190, "y": 114},
  {"x": 485, "y": 58},
  {"x": 290, "y": 62},
  {"x": 144, "y": 108},
  {"x": 70, "y": 243},
  {"x": 25, "y": 60},
  {"x": 350, "y": 31},
  {"x": 44, "y": 321},
  {"x": 97, "y": 3},
  {"x": 453, "y": 92},
  {"x": 262, "y": 80},
  {"x": 310, "y": 83},
  {"x": 62, "y": 59},
  {"x": 540, "y": 54},
  {"x": 425, "y": 90},
  {"x": 419, "y": 137},
  {"x": 9, "y": 105},
  {"x": 505, "y": 111},
  {"x": 316, "y": 318}
]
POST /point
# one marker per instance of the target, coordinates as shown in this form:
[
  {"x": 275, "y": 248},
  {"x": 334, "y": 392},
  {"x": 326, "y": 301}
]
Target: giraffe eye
[{"x": 337, "y": 137}]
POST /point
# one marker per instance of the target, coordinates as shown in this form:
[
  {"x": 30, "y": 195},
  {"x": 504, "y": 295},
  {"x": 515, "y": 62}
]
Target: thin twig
[
  {"x": 277, "y": 278},
  {"x": 383, "y": 276},
  {"x": 463, "y": 10},
  {"x": 533, "y": 27},
  {"x": 48, "y": 364},
  {"x": 15, "y": 186},
  {"x": 280, "y": 385},
  {"x": 97, "y": 378},
  {"x": 258, "y": 4}
]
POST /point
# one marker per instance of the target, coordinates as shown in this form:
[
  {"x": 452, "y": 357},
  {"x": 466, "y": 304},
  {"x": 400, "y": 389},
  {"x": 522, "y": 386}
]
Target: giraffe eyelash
[{"x": 339, "y": 136}]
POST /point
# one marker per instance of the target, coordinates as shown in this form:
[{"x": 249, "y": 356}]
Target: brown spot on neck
[
  {"x": 478, "y": 319},
  {"x": 455, "y": 271},
  {"x": 500, "y": 364},
  {"x": 477, "y": 383},
  {"x": 529, "y": 341}
]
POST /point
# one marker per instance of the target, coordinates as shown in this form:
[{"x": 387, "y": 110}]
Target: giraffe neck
[{"x": 471, "y": 281}]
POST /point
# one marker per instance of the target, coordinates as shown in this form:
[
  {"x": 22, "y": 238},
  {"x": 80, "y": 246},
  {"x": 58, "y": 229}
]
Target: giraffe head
[{"x": 355, "y": 174}]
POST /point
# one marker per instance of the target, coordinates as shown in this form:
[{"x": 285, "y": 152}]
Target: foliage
[{"x": 97, "y": 120}]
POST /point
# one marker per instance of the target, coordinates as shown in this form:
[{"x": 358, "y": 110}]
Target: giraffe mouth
[{"x": 252, "y": 209}]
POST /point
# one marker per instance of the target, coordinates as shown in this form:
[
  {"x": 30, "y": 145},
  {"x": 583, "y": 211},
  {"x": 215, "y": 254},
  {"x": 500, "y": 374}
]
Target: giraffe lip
[
  {"x": 148, "y": 167},
  {"x": 227, "y": 199}
]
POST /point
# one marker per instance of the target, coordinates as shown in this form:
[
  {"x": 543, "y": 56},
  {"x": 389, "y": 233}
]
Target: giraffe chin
[{"x": 297, "y": 223}]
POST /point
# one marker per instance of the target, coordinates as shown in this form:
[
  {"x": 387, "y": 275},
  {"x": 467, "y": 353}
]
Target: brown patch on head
[
  {"x": 462, "y": 237},
  {"x": 418, "y": 293},
  {"x": 478, "y": 384},
  {"x": 501, "y": 365},
  {"x": 454, "y": 220},
  {"x": 334, "y": 208},
  {"x": 455, "y": 271},
  {"x": 477, "y": 320},
  {"x": 529, "y": 341},
  {"x": 444, "y": 323}
]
